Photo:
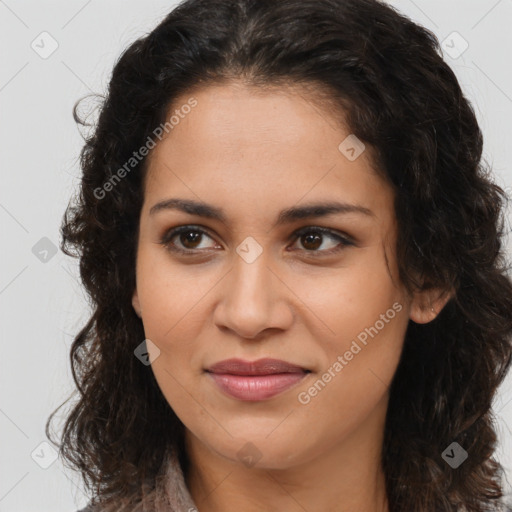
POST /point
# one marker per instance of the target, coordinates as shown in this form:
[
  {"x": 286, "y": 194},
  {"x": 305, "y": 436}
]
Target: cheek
[
  {"x": 171, "y": 295},
  {"x": 363, "y": 320},
  {"x": 171, "y": 306},
  {"x": 347, "y": 300}
]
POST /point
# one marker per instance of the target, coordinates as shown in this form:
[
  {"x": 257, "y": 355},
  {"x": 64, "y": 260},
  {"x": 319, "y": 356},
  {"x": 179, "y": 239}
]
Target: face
[{"x": 258, "y": 274}]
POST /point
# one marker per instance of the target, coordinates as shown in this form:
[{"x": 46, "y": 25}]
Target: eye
[
  {"x": 312, "y": 238},
  {"x": 188, "y": 237}
]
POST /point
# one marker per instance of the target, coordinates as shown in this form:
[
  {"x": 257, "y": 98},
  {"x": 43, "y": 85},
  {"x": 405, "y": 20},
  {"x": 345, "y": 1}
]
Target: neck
[{"x": 346, "y": 477}]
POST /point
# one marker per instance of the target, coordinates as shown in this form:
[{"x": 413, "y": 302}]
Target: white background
[{"x": 41, "y": 304}]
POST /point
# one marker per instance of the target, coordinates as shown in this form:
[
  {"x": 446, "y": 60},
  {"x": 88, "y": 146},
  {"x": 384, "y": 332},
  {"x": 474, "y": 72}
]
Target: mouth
[{"x": 255, "y": 380}]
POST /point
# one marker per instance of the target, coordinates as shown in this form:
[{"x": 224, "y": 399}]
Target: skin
[{"x": 254, "y": 153}]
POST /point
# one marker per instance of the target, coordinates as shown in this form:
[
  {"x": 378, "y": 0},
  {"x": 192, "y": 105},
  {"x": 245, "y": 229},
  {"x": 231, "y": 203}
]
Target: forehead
[{"x": 272, "y": 145}]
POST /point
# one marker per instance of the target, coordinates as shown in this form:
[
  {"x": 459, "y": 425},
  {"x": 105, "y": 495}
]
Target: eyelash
[{"x": 344, "y": 241}]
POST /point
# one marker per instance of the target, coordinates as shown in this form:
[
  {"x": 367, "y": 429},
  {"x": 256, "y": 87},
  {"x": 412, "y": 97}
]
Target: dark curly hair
[{"x": 387, "y": 76}]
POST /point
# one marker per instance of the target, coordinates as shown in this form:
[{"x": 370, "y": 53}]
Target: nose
[{"x": 254, "y": 300}]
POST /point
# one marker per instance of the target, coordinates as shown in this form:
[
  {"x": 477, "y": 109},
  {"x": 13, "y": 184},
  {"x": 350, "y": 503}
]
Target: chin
[{"x": 256, "y": 450}]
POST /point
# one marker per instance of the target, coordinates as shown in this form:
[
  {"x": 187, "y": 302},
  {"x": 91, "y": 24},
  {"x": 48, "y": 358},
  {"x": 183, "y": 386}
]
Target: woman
[{"x": 294, "y": 255}]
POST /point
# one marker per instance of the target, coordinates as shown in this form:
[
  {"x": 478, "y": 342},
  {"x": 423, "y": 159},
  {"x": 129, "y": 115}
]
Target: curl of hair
[{"x": 389, "y": 83}]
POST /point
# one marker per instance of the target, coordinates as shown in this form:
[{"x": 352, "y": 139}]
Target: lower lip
[{"x": 256, "y": 387}]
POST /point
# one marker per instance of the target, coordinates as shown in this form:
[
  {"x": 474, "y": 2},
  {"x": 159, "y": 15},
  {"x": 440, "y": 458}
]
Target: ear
[
  {"x": 427, "y": 304},
  {"x": 136, "y": 303}
]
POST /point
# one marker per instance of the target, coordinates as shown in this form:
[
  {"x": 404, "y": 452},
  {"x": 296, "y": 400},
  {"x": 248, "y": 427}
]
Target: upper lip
[{"x": 264, "y": 366}]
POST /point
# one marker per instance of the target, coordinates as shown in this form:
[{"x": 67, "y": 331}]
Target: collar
[{"x": 172, "y": 494}]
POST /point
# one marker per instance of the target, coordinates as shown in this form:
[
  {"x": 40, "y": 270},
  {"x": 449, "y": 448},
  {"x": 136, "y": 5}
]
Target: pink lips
[{"x": 256, "y": 380}]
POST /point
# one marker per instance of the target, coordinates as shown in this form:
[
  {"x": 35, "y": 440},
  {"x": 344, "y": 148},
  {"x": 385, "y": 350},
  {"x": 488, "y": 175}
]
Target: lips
[
  {"x": 255, "y": 380},
  {"x": 264, "y": 366}
]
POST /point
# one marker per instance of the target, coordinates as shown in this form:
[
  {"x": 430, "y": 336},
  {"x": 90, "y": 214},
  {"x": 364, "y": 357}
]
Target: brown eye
[
  {"x": 185, "y": 239},
  {"x": 313, "y": 240}
]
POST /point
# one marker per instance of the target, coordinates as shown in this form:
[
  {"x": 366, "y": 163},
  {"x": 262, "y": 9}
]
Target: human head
[{"x": 407, "y": 107}]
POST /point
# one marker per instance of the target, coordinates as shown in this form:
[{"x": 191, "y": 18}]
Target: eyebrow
[{"x": 286, "y": 216}]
